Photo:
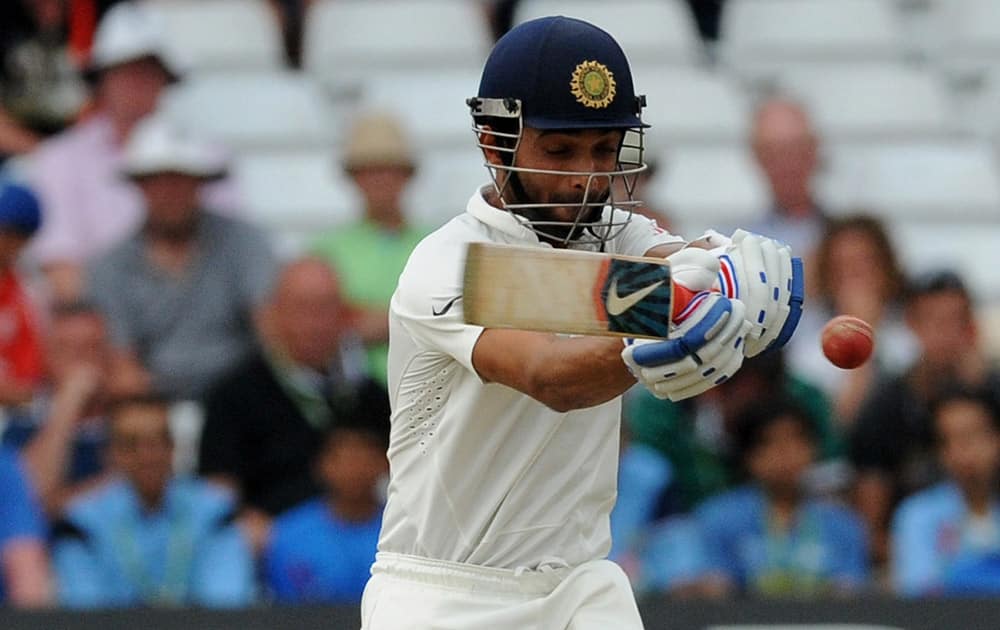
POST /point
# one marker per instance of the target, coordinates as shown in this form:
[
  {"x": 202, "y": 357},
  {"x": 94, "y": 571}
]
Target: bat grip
[{"x": 682, "y": 297}]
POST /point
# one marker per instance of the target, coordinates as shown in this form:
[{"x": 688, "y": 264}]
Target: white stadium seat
[
  {"x": 691, "y": 105},
  {"x": 969, "y": 32},
  {"x": 295, "y": 192},
  {"x": 979, "y": 108},
  {"x": 709, "y": 187},
  {"x": 222, "y": 34},
  {"x": 444, "y": 182},
  {"x": 872, "y": 102},
  {"x": 958, "y": 180},
  {"x": 762, "y": 36},
  {"x": 650, "y": 31},
  {"x": 430, "y": 103},
  {"x": 347, "y": 40},
  {"x": 254, "y": 111},
  {"x": 954, "y": 244}
]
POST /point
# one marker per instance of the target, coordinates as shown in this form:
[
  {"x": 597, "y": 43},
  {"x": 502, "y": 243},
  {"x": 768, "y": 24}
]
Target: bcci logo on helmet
[{"x": 593, "y": 85}]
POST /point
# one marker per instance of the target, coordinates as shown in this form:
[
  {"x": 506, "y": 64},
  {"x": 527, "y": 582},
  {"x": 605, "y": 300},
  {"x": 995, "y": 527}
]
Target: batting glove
[
  {"x": 706, "y": 346},
  {"x": 762, "y": 273}
]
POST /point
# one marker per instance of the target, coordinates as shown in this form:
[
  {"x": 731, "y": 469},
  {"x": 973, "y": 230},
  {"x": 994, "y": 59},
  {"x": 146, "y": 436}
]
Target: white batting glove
[
  {"x": 762, "y": 273},
  {"x": 705, "y": 348}
]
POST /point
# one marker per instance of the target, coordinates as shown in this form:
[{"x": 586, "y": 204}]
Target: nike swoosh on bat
[
  {"x": 446, "y": 307},
  {"x": 618, "y": 304}
]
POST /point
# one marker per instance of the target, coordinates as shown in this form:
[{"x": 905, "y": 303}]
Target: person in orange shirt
[{"x": 20, "y": 347}]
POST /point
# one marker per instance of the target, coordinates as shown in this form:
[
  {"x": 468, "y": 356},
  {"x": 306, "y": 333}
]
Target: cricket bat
[{"x": 568, "y": 291}]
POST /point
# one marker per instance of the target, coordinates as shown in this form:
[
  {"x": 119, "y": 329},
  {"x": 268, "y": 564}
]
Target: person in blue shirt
[
  {"x": 146, "y": 537},
  {"x": 322, "y": 550},
  {"x": 946, "y": 539},
  {"x": 767, "y": 537},
  {"x": 24, "y": 569}
]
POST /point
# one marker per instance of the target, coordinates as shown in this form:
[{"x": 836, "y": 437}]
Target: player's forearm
[{"x": 577, "y": 373}]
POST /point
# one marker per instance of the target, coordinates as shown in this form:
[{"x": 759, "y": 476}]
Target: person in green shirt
[{"x": 370, "y": 253}]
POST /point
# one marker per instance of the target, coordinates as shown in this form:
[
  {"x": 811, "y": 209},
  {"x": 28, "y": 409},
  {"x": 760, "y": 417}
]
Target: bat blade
[{"x": 566, "y": 291}]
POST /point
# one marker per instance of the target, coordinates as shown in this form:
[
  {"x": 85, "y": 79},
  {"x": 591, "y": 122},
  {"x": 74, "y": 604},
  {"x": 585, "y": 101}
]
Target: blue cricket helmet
[{"x": 566, "y": 74}]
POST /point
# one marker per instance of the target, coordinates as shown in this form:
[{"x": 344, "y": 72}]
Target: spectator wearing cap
[
  {"x": 180, "y": 293},
  {"x": 88, "y": 205},
  {"x": 370, "y": 253},
  {"x": 20, "y": 344},
  {"x": 946, "y": 539},
  {"x": 265, "y": 420},
  {"x": 146, "y": 537},
  {"x": 892, "y": 443}
]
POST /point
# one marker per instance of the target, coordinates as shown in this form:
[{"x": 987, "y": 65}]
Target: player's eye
[{"x": 557, "y": 150}]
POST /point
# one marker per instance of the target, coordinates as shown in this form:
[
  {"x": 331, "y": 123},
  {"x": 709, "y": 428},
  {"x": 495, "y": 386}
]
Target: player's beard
[{"x": 571, "y": 229}]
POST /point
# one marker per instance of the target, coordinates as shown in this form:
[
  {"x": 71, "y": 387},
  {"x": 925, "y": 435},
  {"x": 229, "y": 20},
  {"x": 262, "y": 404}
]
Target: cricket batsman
[{"x": 504, "y": 443}]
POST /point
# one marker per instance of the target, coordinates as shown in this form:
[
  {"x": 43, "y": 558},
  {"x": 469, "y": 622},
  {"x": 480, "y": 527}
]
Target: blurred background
[{"x": 205, "y": 204}]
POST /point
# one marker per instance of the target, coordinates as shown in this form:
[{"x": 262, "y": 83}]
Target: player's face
[
  {"x": 970, "y": 446},
  {"x": 579, "y": 152}
]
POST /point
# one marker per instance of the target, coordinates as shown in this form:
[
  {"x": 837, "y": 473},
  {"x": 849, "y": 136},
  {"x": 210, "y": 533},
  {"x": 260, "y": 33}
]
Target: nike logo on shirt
[
  {"x": 618, "y": 304},
  {"x": 447, "y": 306}
]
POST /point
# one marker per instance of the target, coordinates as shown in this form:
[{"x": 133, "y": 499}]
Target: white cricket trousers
[{"x": 412, "y": 593}]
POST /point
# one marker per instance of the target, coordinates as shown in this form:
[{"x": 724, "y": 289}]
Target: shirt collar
[{"x": 499, "y": 219}]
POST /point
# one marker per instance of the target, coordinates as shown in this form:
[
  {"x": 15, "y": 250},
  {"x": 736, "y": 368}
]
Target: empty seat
[
  {"x": 430, "y": 104},
  {"x": 444, "y": 182},
  {"x": 873, "y": 102},
  {"x": 347, "y": 40},
  {"x": 691, "y": 105},
  {"x": 761, "y": 36},
  {"x": 951, "y": 243},
  {"x": 222, "y": 34},
  {"x": 921, "y": 181},
  {"x": 652, "y": 31},
  {"x": 254, "y": 111},
  {"x": 709, "y": 187},
  {"x": 979, "y": 107},
  {"x": 969, "y": 32},
  {"x": 296, "y": 191}
]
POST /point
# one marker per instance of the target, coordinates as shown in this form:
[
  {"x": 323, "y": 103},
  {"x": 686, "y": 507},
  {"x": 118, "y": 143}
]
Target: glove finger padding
[{"x": 705, "y": 351}]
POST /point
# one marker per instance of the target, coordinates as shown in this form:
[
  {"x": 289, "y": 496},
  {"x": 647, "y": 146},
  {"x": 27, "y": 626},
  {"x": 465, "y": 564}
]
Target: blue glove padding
[{"x": 703, "y": 351}]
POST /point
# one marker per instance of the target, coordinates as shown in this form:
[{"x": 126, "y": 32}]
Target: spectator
[
  {"x": 181, "y": 292},
  {"x": 946, "y": 539},
  {"x": 787, "y": 150},
  {"x": 697, "y": 436},
  {"x": 20, "y": 346},
  {"x": 892, "y": 441},
  {"x": 644, "y": 473},
  {"x": 145, "y": 538},
  {"x": 24, "y": 568},
  {"x": 370, "y": 254},
  {"x": 41, "y": 91},
  {"x": 64, "y": 431},
  {"x": 264, "y": 422},
  {"x": 857, "y": 273},
  {"x": 674, "y": 561},
  {"x": 767, "y": 537},
  {"x": 322, "y": 551},
  {"x": 88, "y": 205}
]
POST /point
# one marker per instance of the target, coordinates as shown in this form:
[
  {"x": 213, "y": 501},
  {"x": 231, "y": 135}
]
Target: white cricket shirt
[{"x": 481, "y": 473}]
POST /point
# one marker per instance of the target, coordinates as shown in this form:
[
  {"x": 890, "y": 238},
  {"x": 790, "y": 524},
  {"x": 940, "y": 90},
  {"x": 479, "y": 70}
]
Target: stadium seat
[
  {"x": 650, "y": 31},
  {"x": 872, "y": 102},
  {"x": 969, "y": 32},
  {"x": 429, "y": 102},
  {"x": 214, "y": 35},
  {"x": 925, "y": 181},
  {"x": 444, "y": 182},
  {"x": 979, "y": 107},
  {"x": 254, "y": 111},
  {"x": 688, "y": 105},
  {"x": 295, "y": 192},
  {"x": 946, "y": 242},
  {"x": 346, "y": 41},
  {"x": 708, "y": 187},
  {"x": 760, "y": 37}
]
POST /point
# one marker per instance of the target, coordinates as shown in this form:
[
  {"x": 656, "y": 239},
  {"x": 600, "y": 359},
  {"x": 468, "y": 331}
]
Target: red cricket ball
[{"x": 847, "y": 341}]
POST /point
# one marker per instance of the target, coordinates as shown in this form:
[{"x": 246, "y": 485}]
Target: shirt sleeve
[
  {"x": 79, "y": 579},
  {"x": 103, "y": 288},
  {"x": 850, "y": 544},
  {"x": 642, "y": 234},
  {"x": 20, "y": 515},
  {"x": 913, "y": 560},
  {"x": 276, "y": 572},
  {"x": 223, "y": 574},
  {"x": 428, "y": 302},
  {"x": 258, "y": 265}
]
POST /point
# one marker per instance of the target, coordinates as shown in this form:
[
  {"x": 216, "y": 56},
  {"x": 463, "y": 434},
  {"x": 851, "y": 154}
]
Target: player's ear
[{"x": 489, "y": 140}]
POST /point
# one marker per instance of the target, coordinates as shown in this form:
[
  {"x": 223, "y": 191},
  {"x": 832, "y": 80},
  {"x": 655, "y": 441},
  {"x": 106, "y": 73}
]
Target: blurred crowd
[{"x": 190, "y": 418}]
